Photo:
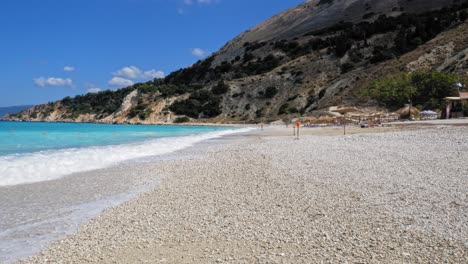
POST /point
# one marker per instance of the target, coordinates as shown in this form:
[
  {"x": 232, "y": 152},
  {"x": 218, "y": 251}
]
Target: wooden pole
[{"x": 344, "y": 122}]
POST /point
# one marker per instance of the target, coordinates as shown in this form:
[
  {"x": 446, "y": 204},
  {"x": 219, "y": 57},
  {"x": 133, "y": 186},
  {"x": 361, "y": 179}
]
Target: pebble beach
[{"x": 264, "y": 197}]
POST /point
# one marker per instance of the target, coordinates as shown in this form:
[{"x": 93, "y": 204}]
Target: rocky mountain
[
  {"x": 300, "y": 62},
  {"x": 313, "y": 16}
]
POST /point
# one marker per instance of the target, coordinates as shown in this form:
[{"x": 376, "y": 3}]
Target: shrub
[
  {"x": 220, "y": 88},
  {"x": 463, "y": 15},
  {"x": 182, "y": 119},
  {"x": 346, "y": 67},
  {"x": 292, "y": 98},
  {"x": 147, "y": 88},
  {"x": 283, "y": 109},
  {"x": 238, "y": 94},
  {"x": 259, "y": 113},
  {"x": 343, "y": 44},
  {"x": 248, "y": 57},
  {"x": 270, "y": 92},
  {"x": 293, "y": 110}
]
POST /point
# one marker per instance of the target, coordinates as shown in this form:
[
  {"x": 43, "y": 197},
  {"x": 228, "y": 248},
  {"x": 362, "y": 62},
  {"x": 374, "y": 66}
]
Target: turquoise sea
[
  {"x": 32, "y": 152},
  {"x": 27, "y": 137}
]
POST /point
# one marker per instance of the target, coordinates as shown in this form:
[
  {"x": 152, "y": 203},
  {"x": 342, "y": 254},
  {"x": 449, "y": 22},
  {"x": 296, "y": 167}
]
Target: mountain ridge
[
  {"x": 264, "y": 75},
  {"x": 290, "y": 24},
  {"x": 13, "y": 109}
]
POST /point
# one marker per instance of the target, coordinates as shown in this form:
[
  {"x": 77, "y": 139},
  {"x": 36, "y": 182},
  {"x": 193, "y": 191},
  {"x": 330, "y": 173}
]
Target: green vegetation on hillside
[
  {"x": 426, "y": 90},
  {"x": 142, "y": 110},
  {"x": 220, "y": 88},
  {"x": 103, "y": 103},
  {"x": 204, "y": 73},
  {"x": 412, "y": 31},
  {"x": 200, "y": 104},
  {"x": 183, "y": 119}
]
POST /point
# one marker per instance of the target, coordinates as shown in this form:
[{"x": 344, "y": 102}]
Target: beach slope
[{"x": 387, "y": 197}]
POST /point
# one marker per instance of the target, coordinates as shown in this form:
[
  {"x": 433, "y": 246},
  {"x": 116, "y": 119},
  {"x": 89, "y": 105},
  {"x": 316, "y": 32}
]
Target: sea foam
[{"x": 54, "y": 164}]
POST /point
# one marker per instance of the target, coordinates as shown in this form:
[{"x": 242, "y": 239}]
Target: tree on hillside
[
  {"x": 425, "y": 89},
  {"x": 433, "y": 87},
  {"x": 220, "y": 88},
  {"x": 393, "y": 90}
]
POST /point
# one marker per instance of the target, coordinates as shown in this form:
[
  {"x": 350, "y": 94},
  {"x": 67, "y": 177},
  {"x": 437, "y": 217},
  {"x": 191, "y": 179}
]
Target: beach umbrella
[
  {"x": 326, "y": 119},
  {"x": 344, "y": 110},
  {"x": 310, "y": 119},
  {"x": 405, "y": 110}
]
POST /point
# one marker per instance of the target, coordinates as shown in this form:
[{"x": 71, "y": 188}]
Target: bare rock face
[
  {"x": 130, "y": 101},
  {"x": 457, "y": 63},
  {"x": 435, "y": 57}
]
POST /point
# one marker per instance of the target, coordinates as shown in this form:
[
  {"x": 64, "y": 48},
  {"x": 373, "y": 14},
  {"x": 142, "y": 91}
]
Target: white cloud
[
  {"x": 133, "y": 72},
  {"x": 187, "y": 4},
  {"x": 198, "y": 52},
  {"x": 93, "y": 90},
  {"x": 130, "y": 72},
  {"x": 120, "y": 82},
  {"x": 152, "y": 74},
  {"x": 53, "y": 82},
  {"x": 201, "y": 2},
  {"x": 68, "y": 68}
]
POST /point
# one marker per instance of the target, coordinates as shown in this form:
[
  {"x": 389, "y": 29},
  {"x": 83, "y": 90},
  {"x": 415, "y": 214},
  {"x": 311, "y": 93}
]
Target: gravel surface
[{"x": 398, "y": 197}]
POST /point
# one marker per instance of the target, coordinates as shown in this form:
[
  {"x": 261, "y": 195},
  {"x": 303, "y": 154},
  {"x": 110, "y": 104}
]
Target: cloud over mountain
[
  {"x": 198, "y": 52},
  {"x": 120, "y": 82},
  {"x": 133, "y": 72},
  {"x": 52, "y": 82}
]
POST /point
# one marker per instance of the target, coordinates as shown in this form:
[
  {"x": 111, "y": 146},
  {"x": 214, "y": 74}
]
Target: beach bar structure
[{"x": 455, "y": 103}]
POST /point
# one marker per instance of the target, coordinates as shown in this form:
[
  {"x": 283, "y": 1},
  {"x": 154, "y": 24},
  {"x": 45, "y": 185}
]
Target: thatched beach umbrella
[
  {"x": 344, "y": 110},
  {"x": 311, "y": 120},
  {"x": 326, "y": 119},
  {"x": 407, "y": 110}
]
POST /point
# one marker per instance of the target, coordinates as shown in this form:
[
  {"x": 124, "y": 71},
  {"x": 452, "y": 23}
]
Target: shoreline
[
  {"x": 221, "y": 205},
  {"x": 46, "y": 161},
  {"x": 47, "y": 210},
  {"x": 135, "y": 124}
]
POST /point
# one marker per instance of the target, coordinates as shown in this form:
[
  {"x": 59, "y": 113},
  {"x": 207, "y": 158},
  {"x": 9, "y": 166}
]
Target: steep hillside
[
  {"x": 318, "y": 54},
  {"x": 315, "y": 15}
]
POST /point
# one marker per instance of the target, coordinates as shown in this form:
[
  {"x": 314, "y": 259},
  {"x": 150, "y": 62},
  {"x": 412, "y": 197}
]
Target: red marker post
[{"x": 298, "y": 125}]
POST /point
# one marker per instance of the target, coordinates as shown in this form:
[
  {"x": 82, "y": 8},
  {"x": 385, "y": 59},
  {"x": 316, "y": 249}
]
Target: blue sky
[{"x": 53, "y": 48}]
